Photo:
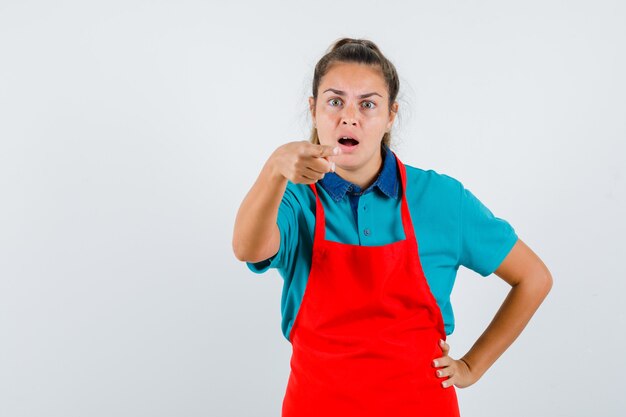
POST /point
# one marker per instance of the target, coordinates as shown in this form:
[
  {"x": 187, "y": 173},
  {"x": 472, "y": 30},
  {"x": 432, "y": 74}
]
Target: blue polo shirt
[{"x": 452, "y": 227}]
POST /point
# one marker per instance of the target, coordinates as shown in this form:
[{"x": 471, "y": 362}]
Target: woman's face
[{"x": 353, "y": 101}]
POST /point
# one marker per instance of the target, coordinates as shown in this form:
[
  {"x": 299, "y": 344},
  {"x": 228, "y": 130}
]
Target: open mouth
[{"x": 347, "y": 141}]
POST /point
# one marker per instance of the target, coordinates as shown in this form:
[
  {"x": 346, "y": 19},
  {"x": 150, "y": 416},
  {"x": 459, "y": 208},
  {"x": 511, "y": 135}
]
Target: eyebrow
[{"x": 341, "y": 93}]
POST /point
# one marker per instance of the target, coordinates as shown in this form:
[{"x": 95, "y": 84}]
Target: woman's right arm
[{"x": 256, "y": 236}]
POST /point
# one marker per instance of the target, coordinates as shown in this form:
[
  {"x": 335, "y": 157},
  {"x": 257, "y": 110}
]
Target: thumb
[{"x": 444, "y": 346}]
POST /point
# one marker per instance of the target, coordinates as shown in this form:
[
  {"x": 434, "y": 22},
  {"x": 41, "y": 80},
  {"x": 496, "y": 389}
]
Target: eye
[
  {"x": 333, "y": 99},
  {"x": 372, "y": 104}
]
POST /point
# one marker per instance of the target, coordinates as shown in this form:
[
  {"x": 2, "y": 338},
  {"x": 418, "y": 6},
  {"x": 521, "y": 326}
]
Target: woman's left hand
[{"x": 457, "y": 370}]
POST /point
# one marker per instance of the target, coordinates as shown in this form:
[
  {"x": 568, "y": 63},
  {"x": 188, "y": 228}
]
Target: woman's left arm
[{"x": 531, "y": 281}]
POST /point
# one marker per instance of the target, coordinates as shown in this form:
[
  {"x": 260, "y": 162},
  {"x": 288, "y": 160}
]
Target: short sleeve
[
  {"x": 485, "y": 239},
  {"x": 287, "y": 222}
]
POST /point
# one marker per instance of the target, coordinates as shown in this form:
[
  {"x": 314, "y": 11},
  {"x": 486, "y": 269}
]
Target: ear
[
  {"x": 312, "y": 107},
  {"x": 392, "y": 114}
]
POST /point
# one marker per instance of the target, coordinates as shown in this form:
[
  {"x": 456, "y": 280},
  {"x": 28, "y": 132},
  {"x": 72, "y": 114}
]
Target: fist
[{"x": 302, "y": 162}]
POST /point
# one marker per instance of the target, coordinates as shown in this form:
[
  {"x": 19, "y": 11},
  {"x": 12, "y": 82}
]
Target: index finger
[{"x": 322, "y": 151}]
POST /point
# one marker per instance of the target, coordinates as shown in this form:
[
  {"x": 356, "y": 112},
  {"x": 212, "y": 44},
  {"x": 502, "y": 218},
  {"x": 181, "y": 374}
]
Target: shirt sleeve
[
  {"x": 287, "y": 222},
  {"x": 485, "y": 239}
]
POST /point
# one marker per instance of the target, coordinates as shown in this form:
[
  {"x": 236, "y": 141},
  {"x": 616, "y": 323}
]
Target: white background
[{"x": 130, "y": 132}]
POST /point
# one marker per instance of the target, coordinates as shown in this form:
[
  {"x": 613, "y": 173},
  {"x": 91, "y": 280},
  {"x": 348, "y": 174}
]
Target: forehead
[{"x": 354, "y": 79}]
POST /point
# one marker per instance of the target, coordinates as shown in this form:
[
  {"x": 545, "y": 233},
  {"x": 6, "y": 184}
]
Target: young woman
[{"x": 366, "y": 309}]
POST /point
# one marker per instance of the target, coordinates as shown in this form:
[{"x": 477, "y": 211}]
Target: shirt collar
[{"x": 386, "y": 182}]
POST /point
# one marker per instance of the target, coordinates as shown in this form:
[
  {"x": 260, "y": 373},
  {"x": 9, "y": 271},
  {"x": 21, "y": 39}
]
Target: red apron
[{"x": 367, "y": 332}]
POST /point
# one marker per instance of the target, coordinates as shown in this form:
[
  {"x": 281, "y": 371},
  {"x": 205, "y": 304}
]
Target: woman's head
[{"x": 354, "y": 94}]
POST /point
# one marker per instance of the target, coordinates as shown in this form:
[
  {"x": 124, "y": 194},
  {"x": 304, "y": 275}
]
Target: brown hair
[{"x": 359, "y": 51}]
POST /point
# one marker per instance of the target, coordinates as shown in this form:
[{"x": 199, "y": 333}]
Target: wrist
[
  {"x": 271, "y": 168},
  {"x": 471, "y": 367},
  {"x": 466, "y": 363}
]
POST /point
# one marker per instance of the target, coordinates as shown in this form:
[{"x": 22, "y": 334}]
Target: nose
[{"x": 348, "y": 117}]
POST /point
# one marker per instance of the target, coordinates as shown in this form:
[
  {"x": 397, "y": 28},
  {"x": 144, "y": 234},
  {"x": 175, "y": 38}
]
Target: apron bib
[{"x": 367, "y": 331}]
